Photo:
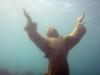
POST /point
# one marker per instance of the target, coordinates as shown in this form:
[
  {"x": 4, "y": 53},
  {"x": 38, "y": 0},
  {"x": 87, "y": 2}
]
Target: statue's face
[{"x": 52, "y": 32}]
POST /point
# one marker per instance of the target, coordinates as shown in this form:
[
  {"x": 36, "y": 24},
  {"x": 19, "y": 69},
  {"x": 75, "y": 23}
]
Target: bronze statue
[{"x": 54, "y": 46}]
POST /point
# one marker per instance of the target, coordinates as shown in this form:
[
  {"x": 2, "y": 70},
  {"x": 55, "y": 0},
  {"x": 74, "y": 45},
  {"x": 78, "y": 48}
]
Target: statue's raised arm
[
  {"x": 75, "y": 36},
  {"x": 31, "y": 29}
]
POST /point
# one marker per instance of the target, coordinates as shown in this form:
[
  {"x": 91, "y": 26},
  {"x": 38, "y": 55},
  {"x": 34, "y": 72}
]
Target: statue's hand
[
  {"x": 26, "y": 15},
  {"x": 81, "y": 18},
  {"x": 30, "y": 24}
]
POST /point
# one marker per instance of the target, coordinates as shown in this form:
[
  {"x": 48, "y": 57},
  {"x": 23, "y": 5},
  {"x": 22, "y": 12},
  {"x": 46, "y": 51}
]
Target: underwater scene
[{"x": 22, "y": 55}]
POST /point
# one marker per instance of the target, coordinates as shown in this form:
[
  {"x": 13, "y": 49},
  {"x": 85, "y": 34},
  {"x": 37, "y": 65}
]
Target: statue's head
[{"x": 52, "y": 32}]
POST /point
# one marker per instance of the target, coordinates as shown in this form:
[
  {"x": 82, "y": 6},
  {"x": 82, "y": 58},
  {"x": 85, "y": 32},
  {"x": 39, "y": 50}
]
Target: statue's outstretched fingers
[
  {"x": 80, "y": 18},
  {"x": 26, "y": 14}
]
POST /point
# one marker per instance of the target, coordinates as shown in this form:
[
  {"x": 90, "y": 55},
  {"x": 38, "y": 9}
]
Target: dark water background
[{"x": 20, "y": 56}]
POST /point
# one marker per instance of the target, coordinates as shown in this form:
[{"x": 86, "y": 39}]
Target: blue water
[{"x": 19, "y": 54}]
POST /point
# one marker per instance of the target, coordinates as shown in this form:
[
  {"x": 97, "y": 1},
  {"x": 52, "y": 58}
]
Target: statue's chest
[{"x": 56, "y": 45}]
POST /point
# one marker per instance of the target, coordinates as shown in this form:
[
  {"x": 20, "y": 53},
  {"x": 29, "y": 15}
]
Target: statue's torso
[
  {"x": 56, "y": 53},
  {"x": 56, "y": 46}
]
